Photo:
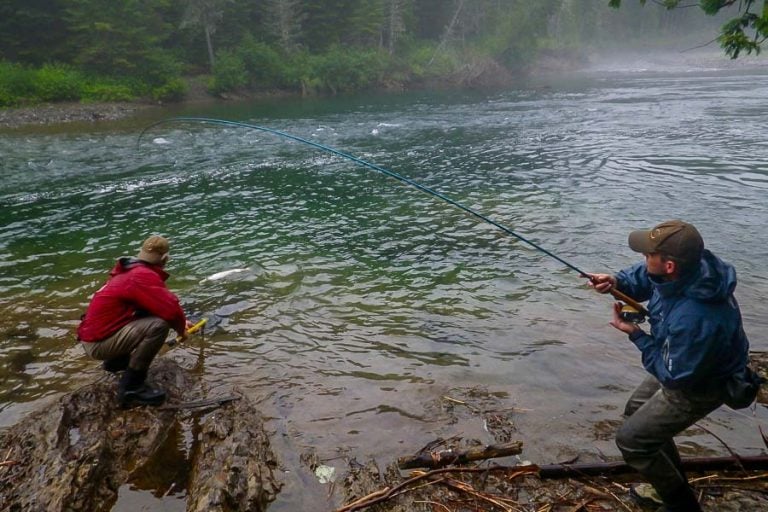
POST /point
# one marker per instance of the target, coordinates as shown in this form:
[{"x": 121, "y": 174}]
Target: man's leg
[
  {"x": 646, "y": 437},
  {"x": 649, "y": 387},
  {"x": 140, "y": 340}
]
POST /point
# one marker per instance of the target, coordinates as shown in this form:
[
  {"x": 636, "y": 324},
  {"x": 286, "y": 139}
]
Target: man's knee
[
  {"x": 155, "y": 333},
  {"x": 626, "y": 440},
  {"x": 157, "y": 327}
]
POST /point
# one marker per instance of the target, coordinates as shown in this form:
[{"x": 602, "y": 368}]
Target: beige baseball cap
[{"x": 154, "y": 250}]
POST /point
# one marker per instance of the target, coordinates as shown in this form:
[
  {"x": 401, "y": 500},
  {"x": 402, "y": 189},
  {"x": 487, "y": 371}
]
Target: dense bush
[
  {"x": 58, "y": 82},
  {"x": 343, "y": 69},
  {"x": 16, "y": 83},
  {"x": 105, "y": 91},
  {"x": 299, "y": 73},
  {"x": 229, "y": 73},
  {"x": 173, "y": 90},
  {"x": 263, "y": 64},
  {"x": 426, "y": 61}
]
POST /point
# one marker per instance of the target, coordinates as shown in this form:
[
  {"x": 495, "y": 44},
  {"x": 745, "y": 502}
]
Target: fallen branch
[
  {"x": 699, "y": 464},
  {"x": 403, "y": 487},
  {"x": 448, "y": 457}
]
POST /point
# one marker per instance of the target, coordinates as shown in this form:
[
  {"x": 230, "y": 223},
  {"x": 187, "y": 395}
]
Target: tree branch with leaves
[{"x": 747, "y": 32}]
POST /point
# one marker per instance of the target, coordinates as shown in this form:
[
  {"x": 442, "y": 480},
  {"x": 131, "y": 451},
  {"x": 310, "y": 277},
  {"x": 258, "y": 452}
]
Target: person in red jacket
[{"x": 128, "y": 320}]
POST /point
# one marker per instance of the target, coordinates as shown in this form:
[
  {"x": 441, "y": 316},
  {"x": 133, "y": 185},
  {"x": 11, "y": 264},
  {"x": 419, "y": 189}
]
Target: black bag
[{"x": 741, "y": 388}]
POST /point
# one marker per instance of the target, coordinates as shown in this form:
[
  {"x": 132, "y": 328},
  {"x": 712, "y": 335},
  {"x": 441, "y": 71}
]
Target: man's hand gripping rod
[
  {"x": 633, "y": 311},
  {"x": 192, "y": 330}
]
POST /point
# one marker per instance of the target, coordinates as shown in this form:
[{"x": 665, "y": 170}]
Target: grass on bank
[{"x": 252, "y": 67}]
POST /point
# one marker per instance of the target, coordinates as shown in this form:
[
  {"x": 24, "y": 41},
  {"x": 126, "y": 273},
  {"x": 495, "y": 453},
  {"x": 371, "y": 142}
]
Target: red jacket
[{"x": 133, "y": 290}]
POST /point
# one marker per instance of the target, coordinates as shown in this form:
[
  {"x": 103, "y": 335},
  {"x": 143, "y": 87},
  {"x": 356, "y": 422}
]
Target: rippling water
[{"x": 363, "y": 301}]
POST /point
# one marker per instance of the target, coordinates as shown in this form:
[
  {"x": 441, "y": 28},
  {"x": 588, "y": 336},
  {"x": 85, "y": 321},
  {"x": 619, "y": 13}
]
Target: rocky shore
[
  {"x": 215, "y": 454},
  {"x": 60, "y": 113}
]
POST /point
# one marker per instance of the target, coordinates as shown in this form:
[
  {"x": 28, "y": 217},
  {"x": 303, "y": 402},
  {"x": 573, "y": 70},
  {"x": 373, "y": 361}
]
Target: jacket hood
[
  {"x": 713, "y": 281},
  {"x": 127, "y": 263}
]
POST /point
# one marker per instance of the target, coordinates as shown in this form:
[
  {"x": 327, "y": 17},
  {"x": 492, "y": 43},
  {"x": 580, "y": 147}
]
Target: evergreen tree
[
  {"x": 205, "y": 14},
  {"x": 283, "y": 21},
  {"x": 33, "y": 31},
  {"x": 122, "y": 38}
]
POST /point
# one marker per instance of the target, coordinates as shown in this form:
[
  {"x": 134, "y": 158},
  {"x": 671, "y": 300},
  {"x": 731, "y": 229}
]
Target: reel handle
[{"x": 629, "y": 301}]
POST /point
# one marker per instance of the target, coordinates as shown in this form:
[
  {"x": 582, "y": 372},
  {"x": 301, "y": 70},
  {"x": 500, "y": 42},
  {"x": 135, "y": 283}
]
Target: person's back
[
  {"x": 135, "y": 288},
  {"x": 128, "y": 320}
]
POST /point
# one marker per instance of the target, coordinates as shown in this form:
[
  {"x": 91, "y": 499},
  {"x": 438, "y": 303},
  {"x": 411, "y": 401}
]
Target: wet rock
[
  {"x": 234, "y": 469},
  {"x": 77, "y": 453}
]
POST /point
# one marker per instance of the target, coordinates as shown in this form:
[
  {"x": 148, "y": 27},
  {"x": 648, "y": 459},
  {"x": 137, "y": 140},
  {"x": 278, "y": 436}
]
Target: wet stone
[{"x": 76, "y": 453}]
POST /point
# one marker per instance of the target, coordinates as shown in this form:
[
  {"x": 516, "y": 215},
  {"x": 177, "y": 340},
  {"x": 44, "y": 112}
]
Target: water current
[{"x": 360, "y": 303}]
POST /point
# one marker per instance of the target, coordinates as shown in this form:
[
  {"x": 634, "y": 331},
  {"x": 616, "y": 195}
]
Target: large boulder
[{"x": 76, "y": 453}]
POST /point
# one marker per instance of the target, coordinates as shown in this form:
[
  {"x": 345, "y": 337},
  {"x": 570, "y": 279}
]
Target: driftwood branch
[
  {"x": 408, "y": 485},
  {"x": 447, "y": 457},
  {"x": 699, "y": 464}
]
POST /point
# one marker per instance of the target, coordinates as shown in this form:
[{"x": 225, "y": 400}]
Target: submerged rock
[{"x": 77, "y": 453}]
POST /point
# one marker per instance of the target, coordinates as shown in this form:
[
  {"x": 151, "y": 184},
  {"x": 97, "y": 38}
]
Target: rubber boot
[
  {"x": 116, "y": 364},
  {"x": 683, "y": 499},
  {"x": 132, "y": 390}
]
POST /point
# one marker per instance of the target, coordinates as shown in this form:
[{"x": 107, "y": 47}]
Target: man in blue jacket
[{"x": 695, "y": 347}]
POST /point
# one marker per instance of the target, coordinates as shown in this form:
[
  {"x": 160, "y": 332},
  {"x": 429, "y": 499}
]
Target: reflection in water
[{"x": 358, "y": 303}]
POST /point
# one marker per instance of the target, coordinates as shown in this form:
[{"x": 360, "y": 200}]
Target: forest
[{"x": 155, "y": 50}]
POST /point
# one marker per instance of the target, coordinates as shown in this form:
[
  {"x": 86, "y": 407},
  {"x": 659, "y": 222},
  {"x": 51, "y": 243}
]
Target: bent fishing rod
[{"x": 223, "y": 122}]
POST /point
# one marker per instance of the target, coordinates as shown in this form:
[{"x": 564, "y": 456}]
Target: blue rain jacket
[{"x": 696, "y": 334}]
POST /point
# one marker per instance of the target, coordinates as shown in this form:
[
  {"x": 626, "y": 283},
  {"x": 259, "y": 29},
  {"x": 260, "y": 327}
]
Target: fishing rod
[{"x": 628, "y": 314}]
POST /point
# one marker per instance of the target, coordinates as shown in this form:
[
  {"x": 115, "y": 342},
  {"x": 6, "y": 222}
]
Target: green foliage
[
  {"x": 33, "y": 31},
  {"x": 17, "y": 82},
  {"x": 425, "y": 61},
  {"x": 263, "y": 64},
  {"x": 173, "y": 90},
  {"x": 108, "y": 91},
  {"x": 300, "y": 75},
  {"x": 343, "y": 69},
  {"x": 140, "y": 48},
  {"x": 229, "y": 73},
  {"x": 58, "y": 82},
  {"x": 122, "y": 38}
]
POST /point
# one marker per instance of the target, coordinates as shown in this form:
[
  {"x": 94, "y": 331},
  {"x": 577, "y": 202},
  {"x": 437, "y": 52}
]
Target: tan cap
[
  {"x": 154, "y": 249},
  {"x": 674, "y": 238}
]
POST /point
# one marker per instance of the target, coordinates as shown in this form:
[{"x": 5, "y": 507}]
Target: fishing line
[{"x": 374, "y": 167}]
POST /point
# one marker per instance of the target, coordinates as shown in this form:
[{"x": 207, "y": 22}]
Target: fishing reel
[{"x": 630, "y": 314}]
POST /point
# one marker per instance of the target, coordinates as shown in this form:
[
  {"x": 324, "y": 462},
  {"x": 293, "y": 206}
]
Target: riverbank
[
  {"x": 61, "y": 113},
  {"x": 478, "y": 74}
]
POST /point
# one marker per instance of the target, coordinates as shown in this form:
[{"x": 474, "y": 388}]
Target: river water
[{"x": 360, "y": 303}]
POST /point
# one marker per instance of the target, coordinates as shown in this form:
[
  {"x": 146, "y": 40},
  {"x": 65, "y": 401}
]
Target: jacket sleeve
[
  {"x": 688, "y": 352},
  {"x": 149, "y": 293},
  {"x": 634, "y": 281}
]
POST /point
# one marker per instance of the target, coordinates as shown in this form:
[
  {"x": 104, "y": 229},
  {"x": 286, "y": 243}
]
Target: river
[{"x": 359, "y": 303}]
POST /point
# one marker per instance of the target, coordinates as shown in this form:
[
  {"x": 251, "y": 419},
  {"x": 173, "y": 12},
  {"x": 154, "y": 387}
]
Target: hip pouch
[{"x": 741, "y": 388}]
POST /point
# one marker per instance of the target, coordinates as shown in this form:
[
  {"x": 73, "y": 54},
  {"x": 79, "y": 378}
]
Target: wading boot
[
  {"x": 682, "y": 499},
  {"x": 116, "y": 364},
  {"x": 132, "y": 390}
]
